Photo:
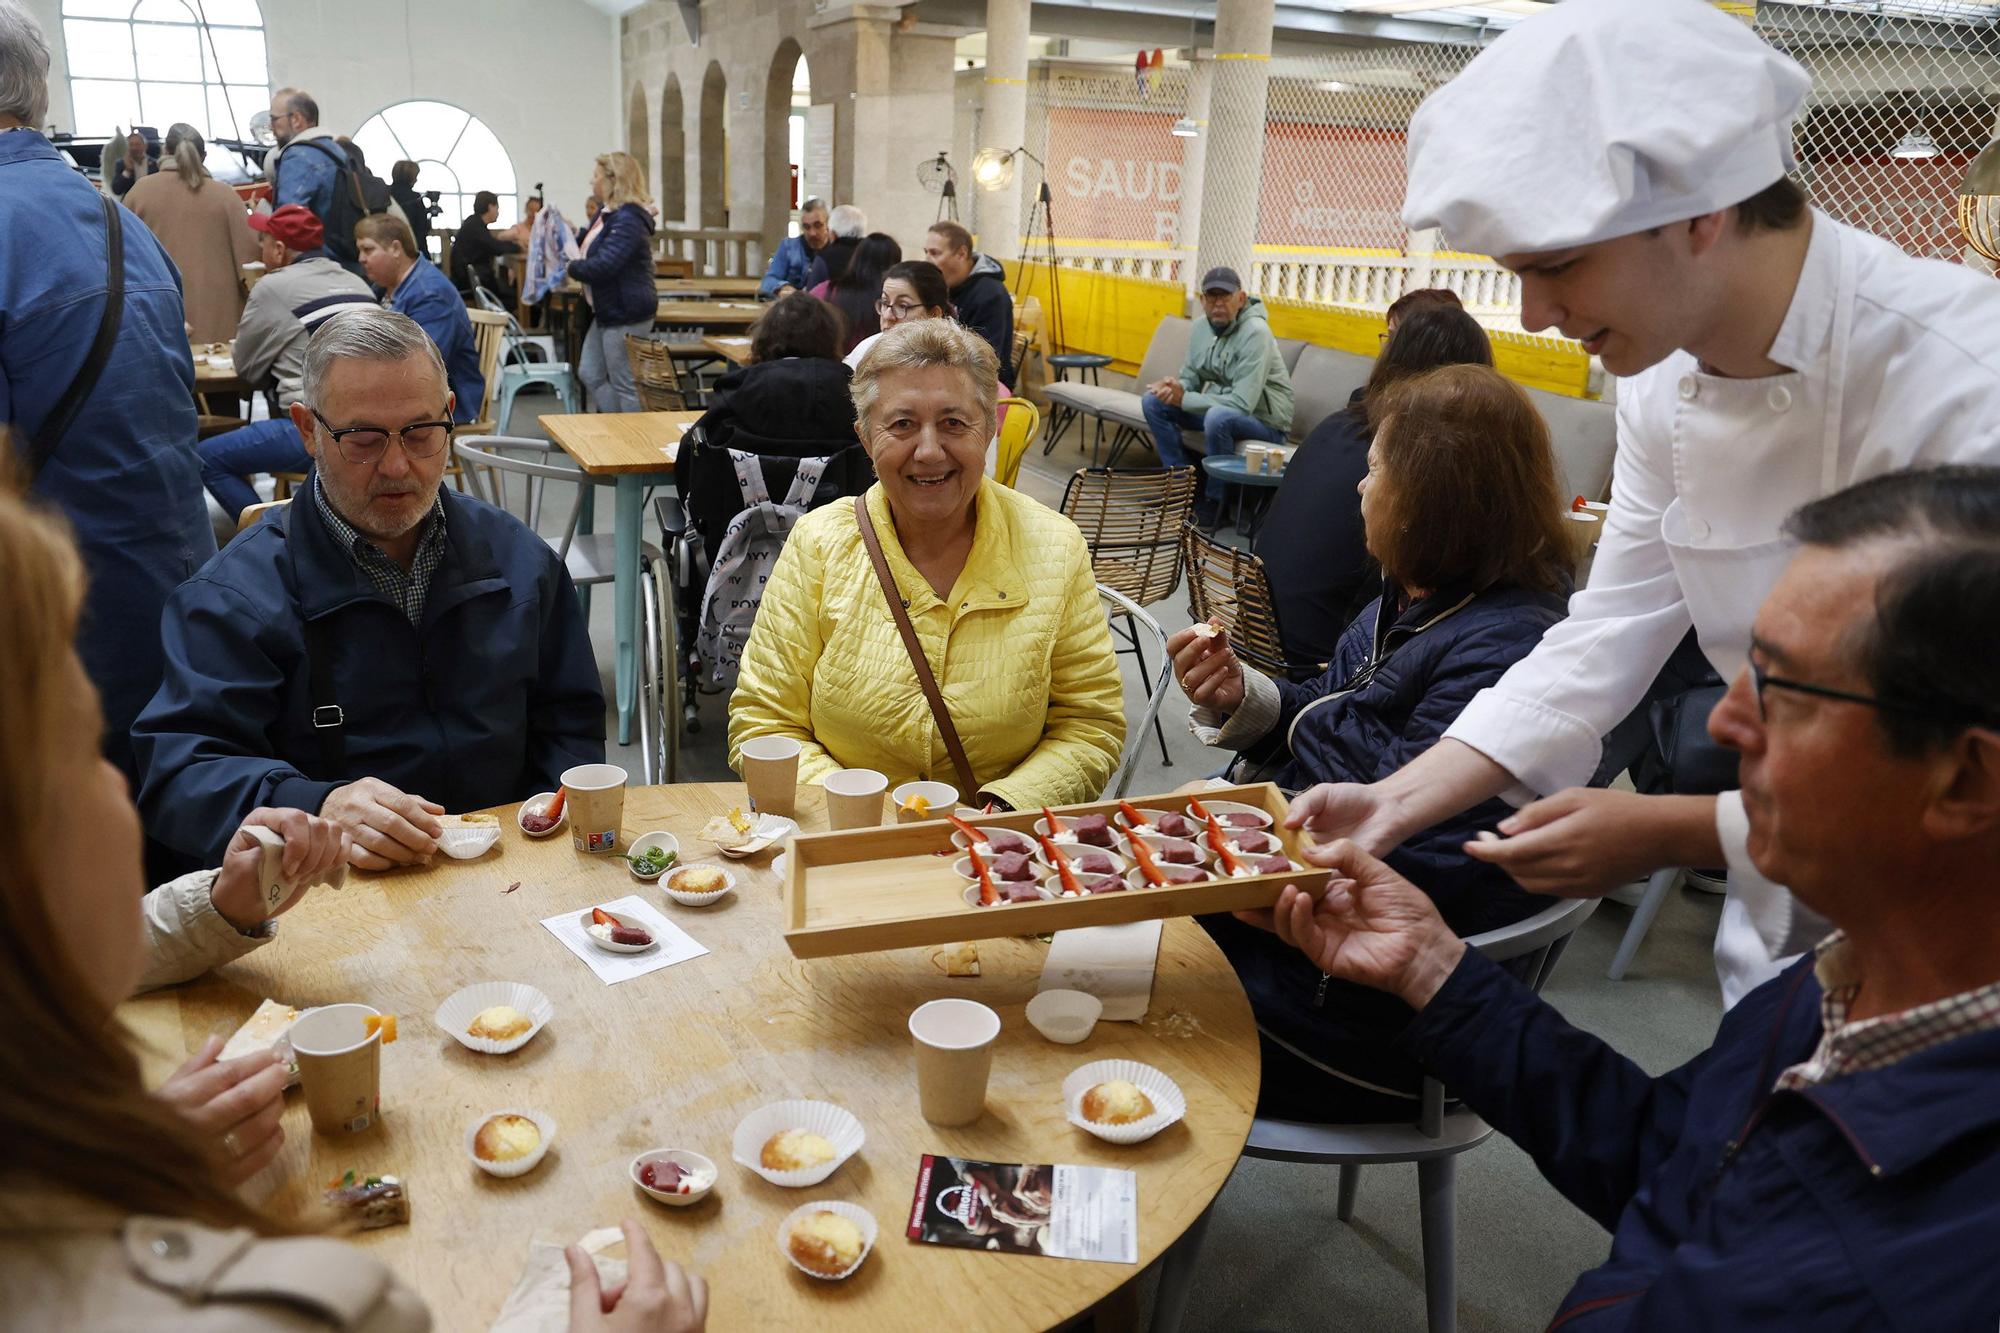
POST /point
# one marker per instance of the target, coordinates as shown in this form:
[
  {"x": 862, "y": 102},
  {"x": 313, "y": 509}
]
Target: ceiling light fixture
[{"x": 1914, "y": 146}]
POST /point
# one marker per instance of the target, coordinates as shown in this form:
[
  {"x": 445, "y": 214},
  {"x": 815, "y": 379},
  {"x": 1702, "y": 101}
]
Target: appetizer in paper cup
[
  {"x": 828, "y": 1239},
  {"x": 797, "y": 1143},
  {"x": 1122, "y": 1101},
  {"x": 509, "y": 1142}
]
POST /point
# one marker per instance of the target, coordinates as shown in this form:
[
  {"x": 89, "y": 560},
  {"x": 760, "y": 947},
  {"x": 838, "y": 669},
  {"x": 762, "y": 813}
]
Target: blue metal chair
[{"x": 518, "y": 372}]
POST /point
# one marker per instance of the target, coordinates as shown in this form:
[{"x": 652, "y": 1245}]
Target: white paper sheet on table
[
  {"x": 1114, "y": 963},
  {"x": 675, "y": 944}
]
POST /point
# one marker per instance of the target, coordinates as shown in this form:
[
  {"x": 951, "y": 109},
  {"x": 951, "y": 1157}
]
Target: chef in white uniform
[{"x": 1628, "y": 161}]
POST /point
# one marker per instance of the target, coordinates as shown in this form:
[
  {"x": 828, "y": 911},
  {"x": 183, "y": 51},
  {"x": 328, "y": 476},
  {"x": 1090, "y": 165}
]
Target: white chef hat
[{"x": 1599, "y": 118}]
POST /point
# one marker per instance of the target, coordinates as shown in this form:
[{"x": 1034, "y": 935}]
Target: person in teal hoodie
[{"x": 1232, "y": 387}]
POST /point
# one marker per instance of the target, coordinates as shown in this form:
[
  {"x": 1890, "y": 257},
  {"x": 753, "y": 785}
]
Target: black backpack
[{"x": 351, "y": 202}]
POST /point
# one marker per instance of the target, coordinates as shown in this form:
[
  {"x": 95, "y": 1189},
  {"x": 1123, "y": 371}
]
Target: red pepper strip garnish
[
  {"x": 988, "y": 895},
  {"x": 1230, "y": 865},
  {"x": 1578, "y": 505},
  {"x": 1199, "y": 811},
  {"x": 1054, "y": 824},
  {"x": 554, "y": 808},
  {"x": 1147, "y": 866},
  {"x": 1132, "y": 816},
  {"x": 1068, "y": 876},
  {"x": 600, "y": 917},
  {"x": 971, "y": 834}
]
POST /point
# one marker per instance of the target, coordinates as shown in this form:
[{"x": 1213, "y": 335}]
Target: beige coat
[
  {"x": 71, "y": 1263},
  {"x": 207, "y": 234}
]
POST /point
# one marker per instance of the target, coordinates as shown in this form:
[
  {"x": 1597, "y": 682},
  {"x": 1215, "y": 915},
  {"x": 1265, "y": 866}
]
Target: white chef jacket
[{"x": 1896, "y": 363}]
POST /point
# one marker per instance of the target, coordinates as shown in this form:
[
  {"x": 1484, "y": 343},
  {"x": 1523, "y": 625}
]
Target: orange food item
[
  {"x": 600, "y": 917},
  {"x": 988, "y": 895},
  {"x": 1131, "y": 813},
  {"x": 382, "y": 1023},
  {"x": 971, "y": 834},
  {"x": 555, "y": 807},
  {"x": 1055, "y": 825},
  {"x": 1070, "y": 887},
  {"x": 1230, "y": 865},
  {"x": 1147, "y": 866}
]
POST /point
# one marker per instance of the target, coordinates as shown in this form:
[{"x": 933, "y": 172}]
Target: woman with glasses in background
[{"x": 914, "y": 289}]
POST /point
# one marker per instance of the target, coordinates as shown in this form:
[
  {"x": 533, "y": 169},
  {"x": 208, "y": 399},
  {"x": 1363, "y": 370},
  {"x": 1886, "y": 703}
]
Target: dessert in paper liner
[
  {"x": 1169, "y": 1104},
  {"x": 519, "y": 1166},
  {"x": 835, "y": 1124},
  {"x": 854, "y": 1213},
  {"x": 467, "y": 836},
  {"x": 689, "y": 898},
  {"x": 455, "y": 1015}
]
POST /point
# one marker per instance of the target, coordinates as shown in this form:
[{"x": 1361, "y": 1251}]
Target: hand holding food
[
  {"x": 1371, "y": 926},
  {"x": 234, "y": 1103},
  {"x": 658, "y": 1297},
  {"x": 1207, "y": 668},
  {"x": 316, "y": 850},
  {"x": 387, "y": 827}
]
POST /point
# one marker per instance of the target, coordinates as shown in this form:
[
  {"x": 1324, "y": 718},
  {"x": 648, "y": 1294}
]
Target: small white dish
[
  {"x": 1065, "y": 1017},
  {"x": 767, "y": 830},
  {"x": 939, "y": 798},
  {"x": 535, "y": 805},
  {"x": 1175, "y": 875},
  {"x": 666, "y": 842},
  {"x": 688, "y": 898},
  {"x": 781, "y": 864},
  {"x": 1223, "y": 809},
  {"x": 1169, "y": 1104},
  {"x": 519, "y": 1166},
  {"x": 1074, "y": 853},
  {"x": 836, "y": 1124},
  {"x": 972, "y": 895},
  {"x": 700, "y": 1180},
  {"x": 855, "y": 1213},
  {"x": 997, "y": 840},
  {"x": 586, "y": 920},
  {"x": 963, "y": 865},
  {"x": 1068, "y": 835},
  {"x": 1151, "y": 817},
  {"x": 455, "y": 1015},
  {"x": 463, "y": 842}
]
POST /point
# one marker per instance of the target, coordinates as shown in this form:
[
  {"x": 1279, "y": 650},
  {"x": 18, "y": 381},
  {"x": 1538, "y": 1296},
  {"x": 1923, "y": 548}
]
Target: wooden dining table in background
[
  {"x": 638, "y": 449},
  {"x": 675, "y": 313},
  {"x": 209, "y": 377},
  {"x": 736, "y": 351},
  {"x": 677, "y": 1057},
  {"x": 744, "y": 289}
]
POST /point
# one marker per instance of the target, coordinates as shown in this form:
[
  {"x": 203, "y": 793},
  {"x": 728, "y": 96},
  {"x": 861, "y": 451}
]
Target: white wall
[{"x": 542, "y": 74}]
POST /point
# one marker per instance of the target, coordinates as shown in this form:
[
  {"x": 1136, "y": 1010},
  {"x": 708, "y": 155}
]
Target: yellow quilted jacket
[{"x": 1020, "y": 649}]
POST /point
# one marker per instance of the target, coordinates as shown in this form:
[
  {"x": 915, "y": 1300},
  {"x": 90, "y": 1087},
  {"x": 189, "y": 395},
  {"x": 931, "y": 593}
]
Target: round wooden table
[{"x": 678, "y": 1056}]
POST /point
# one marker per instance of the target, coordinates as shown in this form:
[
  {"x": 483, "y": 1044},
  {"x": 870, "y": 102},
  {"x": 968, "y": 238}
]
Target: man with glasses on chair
[
  {"x": 1832, "y": 1160},
  {"x": 380, "y": 651}
]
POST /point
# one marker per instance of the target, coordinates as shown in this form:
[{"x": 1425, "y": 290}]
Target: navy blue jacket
[
  {"x": 1427, "y": 665},
  {"x": 1869, "y": 1202},
  {"x": 487, "y": 701},
  {"x": 126, "y": 475},
  {"x": 426, "y": 295},
  {"x": 619, "y": 268}
]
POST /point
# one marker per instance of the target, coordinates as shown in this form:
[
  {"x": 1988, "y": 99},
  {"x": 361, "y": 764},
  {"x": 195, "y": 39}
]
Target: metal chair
[
  {"x": 518, "y": 372},
  {"x": 1136, "y": 617},
  {"x": 488, "y": 335},
  {"x": 653, "y": 373},
  {"x": 1131, "y": 522},
  {"x": 1433, "y": 1143},
  {"x": 1228, "y": 588},
  {"x": 1019, "y": 421}
]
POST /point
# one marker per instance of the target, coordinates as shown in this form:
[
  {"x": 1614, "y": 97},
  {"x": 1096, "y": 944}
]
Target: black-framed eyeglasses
[
  {"x": 1761, "y": 680},
  {"x": 366, "y": 444},
  {"x": 900, "y": 309}
]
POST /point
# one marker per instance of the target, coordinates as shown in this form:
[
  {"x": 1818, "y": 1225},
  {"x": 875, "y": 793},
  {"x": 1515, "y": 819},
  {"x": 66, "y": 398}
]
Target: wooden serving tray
[{"x": 869, "y": 890}]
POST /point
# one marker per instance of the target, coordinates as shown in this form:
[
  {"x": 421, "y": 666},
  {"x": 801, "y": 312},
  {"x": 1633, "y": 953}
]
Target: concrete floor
[{"x": 1276, "y": 1257}]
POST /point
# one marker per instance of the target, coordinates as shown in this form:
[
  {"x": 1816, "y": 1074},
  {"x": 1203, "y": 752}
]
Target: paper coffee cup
[
  {"x": 954, "y": 1042},
  {"x": 596, "y": 806},
  {"x": 941, "y": 798},
  {"x": 340, "y": 1067},
  {"x": 854, "y": 798},
  {"x": 771, "y": 772},
  {"x": 1583, "y": 528}
]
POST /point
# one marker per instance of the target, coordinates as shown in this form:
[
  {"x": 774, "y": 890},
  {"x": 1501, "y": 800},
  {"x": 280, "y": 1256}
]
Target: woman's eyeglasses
[
  {"x": 366, "y": 444},
  {"x": 900, "y": 310}
]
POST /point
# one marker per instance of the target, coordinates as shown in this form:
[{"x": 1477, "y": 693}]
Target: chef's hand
[
  {"x": 387, "y": 827},
  {"x": 314, "y": 848},
  {"x": 656, "y": 1298},
  {"x": 1371, "y": 926},
  {"x": 1207, "y": 669},
  {"x": 1584, "y": 842},
  {"x": 234, "y": 1104}
]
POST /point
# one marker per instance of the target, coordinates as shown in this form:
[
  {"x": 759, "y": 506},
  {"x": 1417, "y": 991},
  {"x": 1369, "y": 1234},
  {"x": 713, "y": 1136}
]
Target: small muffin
[
  {"x": 507, "y": 1138},
  {"x": 1116, "y": 1103},
  {"x": 698, "y": 879},
  {"x": 795, "y": 1150},
  {"x": 500, "y": 1023},
  {"x": 825, "y": 1242}
]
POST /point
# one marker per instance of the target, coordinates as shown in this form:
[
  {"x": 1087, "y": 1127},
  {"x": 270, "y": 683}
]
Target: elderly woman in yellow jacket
[{"x": 998, "y": 588}]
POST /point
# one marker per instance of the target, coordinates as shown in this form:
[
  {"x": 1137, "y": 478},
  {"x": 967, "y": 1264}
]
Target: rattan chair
[
  {"x": 1131, "y": 521},
  {"x": 653, "y": 372},
  {"x": 1228, "y": 588}
]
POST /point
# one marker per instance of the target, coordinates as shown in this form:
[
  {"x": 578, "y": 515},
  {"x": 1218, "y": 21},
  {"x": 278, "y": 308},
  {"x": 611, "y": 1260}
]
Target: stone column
[
  {"x": 1194, "y": 160},
  {"x": 1003, "y": 125},
  {"x": 890, "y": 84},
  {"x": 1233, "y": 166}
]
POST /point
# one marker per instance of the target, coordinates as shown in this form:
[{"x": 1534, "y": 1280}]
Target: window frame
[{"x": 206, "y": 52}]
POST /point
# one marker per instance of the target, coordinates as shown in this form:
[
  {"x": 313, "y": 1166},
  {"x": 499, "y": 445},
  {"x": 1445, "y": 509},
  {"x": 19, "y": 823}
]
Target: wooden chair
[
  {"x": 1020, "y": 422},
  {"x": 654, "y": 374},
  {"x": 489, "y": 335},
  {"x": 251, "y": 513},
  {"x": 1228, "y": 588},
  {"x": 210, "y": 424},
  {"x": 1131, "y": 522}
]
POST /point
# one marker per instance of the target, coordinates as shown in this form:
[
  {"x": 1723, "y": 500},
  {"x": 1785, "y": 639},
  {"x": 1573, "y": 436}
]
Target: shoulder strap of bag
[
  {"x": 57, "y": 423},
  {"x": 967, "y": 784}
]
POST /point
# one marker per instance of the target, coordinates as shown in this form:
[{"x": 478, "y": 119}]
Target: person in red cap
[{"x": 302, "y": 286}]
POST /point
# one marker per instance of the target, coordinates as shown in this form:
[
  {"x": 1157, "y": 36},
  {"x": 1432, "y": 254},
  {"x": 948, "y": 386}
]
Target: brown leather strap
[{"x": 968, "y": 786}]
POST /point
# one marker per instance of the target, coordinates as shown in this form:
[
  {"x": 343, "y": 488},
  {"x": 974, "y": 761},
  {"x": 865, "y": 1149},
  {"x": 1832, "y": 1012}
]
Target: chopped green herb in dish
[{"x": 652, "y": 861}]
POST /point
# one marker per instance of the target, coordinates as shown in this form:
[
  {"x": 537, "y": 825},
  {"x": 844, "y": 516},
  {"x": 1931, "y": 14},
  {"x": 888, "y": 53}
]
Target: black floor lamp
[{"x": 993, "y": 169}]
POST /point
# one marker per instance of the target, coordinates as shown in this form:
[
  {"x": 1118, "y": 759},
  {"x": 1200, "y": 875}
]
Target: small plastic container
[
  {"x": 701, "y": 1179},
  {"x": 1065, "y": 1017}
]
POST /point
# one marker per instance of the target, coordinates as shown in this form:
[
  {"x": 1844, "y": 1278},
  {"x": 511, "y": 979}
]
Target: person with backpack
[{"x": 312, "y": 168}]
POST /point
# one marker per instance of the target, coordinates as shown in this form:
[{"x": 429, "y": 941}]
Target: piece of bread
[
  {"x": 260, "y": 1031},
  {"x": 795, "y": 1150},
  {"x": 825, "y": 1242},
  {"x": 698, "y": 879},
  {"x": 500, "y": 1023},
  {"x": 1116, "y": 1103},
  {"x": 507, "y": 1138},
  {"x": 958, "y": 960}
]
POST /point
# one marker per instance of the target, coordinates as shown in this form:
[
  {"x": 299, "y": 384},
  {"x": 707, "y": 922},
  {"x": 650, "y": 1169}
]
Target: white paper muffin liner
[
  {"x": 520, "y": 1166},
  {"x": 835, "y": 1124},
  {"x": 455, "y": 1015},
  {"x": 854, "y": 1213},
  {"x": 463, "y": 842},
  {"x": 1065, "y": 1017},
  {"x": 1168, "y": 1103},
  {"x": 686, "y": 899}
]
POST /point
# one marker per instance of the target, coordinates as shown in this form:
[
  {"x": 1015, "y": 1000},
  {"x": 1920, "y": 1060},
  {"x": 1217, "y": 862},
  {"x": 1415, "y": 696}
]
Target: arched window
[
  {"x": 455, "y": 153},
  {"x": 154, "y": 62}
]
